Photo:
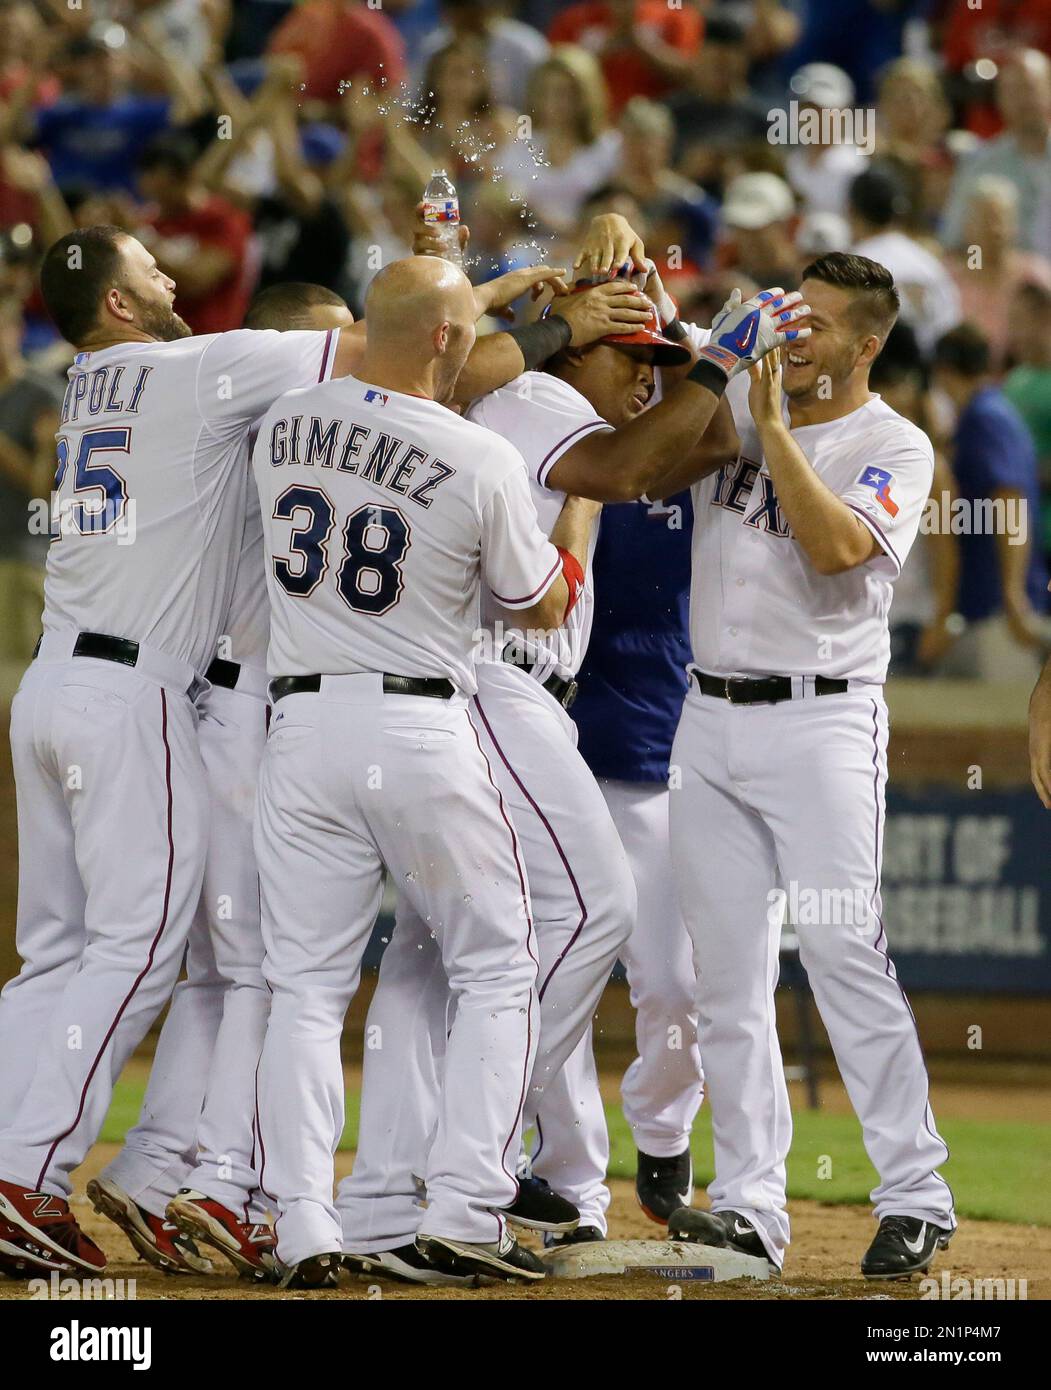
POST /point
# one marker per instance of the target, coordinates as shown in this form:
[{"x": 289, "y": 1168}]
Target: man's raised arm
[{"x": 659, "y": 452}]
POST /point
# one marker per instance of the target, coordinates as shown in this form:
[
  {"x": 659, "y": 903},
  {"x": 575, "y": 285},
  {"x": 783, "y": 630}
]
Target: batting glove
[
  {"x": 742, "y": 333},
  {"x": 649, "y": 281}
]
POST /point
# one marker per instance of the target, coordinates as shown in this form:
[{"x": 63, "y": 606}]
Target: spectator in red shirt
[
  {"x": 644, "y": 46},
  {"x": 202, "y": 241},
  {"x": 339, "y": 40}
]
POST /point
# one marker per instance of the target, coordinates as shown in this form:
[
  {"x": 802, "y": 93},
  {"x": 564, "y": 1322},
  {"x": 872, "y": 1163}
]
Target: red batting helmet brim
[{"x": 666, "y": 353}]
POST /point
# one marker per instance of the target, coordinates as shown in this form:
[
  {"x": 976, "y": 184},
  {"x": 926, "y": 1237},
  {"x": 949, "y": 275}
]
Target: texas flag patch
[
  {"x": 374, "y": 397},
  {"x": 880, "y": 482}
]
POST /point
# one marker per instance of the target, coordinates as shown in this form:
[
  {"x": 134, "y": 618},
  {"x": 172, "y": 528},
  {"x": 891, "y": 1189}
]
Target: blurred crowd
[{"x": 248, "y": 142}]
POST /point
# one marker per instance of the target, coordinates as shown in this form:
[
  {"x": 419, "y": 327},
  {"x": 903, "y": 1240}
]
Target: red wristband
[{"x": 574, "y": 577}]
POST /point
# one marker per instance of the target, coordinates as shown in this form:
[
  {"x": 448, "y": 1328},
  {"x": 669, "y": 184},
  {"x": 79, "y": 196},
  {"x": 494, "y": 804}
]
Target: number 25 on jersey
[{"x": 96, "y": 500}]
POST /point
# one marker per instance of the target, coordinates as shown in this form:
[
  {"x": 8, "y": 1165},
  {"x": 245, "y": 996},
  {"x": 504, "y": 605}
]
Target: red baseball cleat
[
  {"x": 155, "y": 1240},
  {"x": 250, "y": 1247},
  {"x": 22, "y": 1257},
  {"x": 45, "y": 1230}
]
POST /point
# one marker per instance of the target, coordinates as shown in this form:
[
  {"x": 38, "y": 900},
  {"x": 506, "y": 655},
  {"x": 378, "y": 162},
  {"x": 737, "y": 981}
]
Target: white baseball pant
[
  {"x": 789, "y": 799},
  {"x": 379, "y": 1204},
  {"x": 112, "y": 825},
  {"x": 583, "y": 909},
  {"x": 197, "y": 1126},
  {"x": 353, "y": 780},
  {"x": 663, "y": 1087}
]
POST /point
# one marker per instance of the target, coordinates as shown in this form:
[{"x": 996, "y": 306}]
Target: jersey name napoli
[
  {"x": 757, "y": 605},
  {"x": 543, "y": 417},
  {"x": 150, "y": 486},
  {"x": 383, "y": 516}
]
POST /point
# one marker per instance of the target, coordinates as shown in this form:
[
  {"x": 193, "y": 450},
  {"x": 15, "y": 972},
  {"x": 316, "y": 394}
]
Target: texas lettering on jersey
[
  {"x": 376, "y": 456},
  {"x": 735, "y": 489}
]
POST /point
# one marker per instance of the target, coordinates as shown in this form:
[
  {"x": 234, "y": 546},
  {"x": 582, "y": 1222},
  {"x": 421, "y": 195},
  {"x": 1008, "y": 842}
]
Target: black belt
[
  {"x": 224, "y": 673},
  {"x": 762, "y": 690},
  {"x": 103, "y": 648},
  {"x": 432, "y": 686},
  {"x": 565, "y": 692}
]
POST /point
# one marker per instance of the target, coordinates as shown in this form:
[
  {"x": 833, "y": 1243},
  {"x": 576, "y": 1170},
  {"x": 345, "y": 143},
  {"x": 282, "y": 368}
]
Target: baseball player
[
  {"x": 632, "y": 686},
  {"x": 631, "y": 691},
  {"x": 112, "y": 800},
  {"x": 384, "y": 514},
  {"x": 187, "y": 1173},
  {"x": 201, "y": 1165},
  {"x": 584, "y": 430},
  {"x": 782, "y": 755}
]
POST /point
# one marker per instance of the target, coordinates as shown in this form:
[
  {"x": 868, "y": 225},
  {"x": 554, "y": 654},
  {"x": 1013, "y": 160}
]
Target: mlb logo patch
[
  {"x": 880, "y": 482},
  {"x": 376, "y": 397}
]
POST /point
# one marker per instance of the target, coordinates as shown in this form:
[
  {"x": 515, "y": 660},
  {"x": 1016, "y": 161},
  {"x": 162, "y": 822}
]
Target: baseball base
[{"x": 675, "y": 1260}]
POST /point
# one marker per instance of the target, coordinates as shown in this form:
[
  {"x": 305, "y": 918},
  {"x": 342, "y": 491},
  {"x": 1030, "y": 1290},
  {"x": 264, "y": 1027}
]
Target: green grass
[{"x": 999, "y": 1171}]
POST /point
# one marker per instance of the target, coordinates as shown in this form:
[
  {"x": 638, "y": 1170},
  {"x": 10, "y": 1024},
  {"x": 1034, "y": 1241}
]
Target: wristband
[
  {"x": 574, "y": 577},
  {"x": 541, "y": 340},
  {"x": 676, "y": 330},
  {"x": 708, "y": 375}
]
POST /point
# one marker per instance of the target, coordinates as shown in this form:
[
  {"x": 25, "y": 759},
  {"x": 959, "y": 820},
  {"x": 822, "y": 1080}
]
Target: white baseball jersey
[
  {"x": 757, "y": 605},
  {"x": 152, "y": 470},
  {"x": 543, "y": 417},
  {"x": 382, "y": 514},
  {"x": 247, "y": 625}
]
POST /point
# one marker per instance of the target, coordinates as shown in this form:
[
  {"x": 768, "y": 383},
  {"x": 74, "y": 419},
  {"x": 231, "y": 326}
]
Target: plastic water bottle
[{"x": 441, "y": 212}]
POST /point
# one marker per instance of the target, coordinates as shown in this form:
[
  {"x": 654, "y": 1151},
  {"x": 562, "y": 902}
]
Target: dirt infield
[{"x": 823, "y": 1263}]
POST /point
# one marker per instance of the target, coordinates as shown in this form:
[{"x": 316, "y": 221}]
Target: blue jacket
[{"x": 633, "y": 679}]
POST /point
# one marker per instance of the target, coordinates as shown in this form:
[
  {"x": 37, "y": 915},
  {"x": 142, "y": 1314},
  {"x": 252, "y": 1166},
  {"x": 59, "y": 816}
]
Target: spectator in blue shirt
[
  {"x": 1003, "y": 577},
  {"x": 94, "y": 133}
]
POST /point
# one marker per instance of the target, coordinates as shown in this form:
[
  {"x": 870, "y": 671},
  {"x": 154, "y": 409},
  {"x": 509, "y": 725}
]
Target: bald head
[
  {"x": 420, "y": 313},
  {"x": 408, "y": 299}
]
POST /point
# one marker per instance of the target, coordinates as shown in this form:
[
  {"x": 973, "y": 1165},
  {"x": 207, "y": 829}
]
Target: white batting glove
[
  {"x": 742, "y": 333},
  {"x": 649, "y": 281}
]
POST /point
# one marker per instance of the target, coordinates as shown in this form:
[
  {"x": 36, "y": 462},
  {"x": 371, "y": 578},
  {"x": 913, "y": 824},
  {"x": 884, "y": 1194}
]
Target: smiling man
[{"x": 782, "y": 753}]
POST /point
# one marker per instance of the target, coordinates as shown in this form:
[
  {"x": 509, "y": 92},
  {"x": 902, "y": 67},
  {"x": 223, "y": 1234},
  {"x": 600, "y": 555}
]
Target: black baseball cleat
[
  {"x": 583, "y": 1235},
  {"x": 904, "y": 1245},
  {"x": 505, "y": 1259},
  {"x": 723, "y": 1229},
  {"x": 538, "y": 1208},
  {"x": 406, "y": 1264},
  {"x": 316, "y": 1272},
  {"x": 663, "y": 1185}
]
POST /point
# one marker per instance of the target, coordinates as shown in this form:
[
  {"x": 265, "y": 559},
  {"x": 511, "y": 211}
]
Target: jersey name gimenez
[{"x": 384, "y": 515}]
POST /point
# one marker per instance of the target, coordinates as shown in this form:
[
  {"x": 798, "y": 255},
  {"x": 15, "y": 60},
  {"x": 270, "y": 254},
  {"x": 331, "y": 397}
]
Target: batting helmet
[{"x": 666, "y": 353}]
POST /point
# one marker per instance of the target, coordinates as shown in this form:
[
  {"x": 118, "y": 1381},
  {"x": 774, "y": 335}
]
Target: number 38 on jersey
[{"x": 365, "y": 558}]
